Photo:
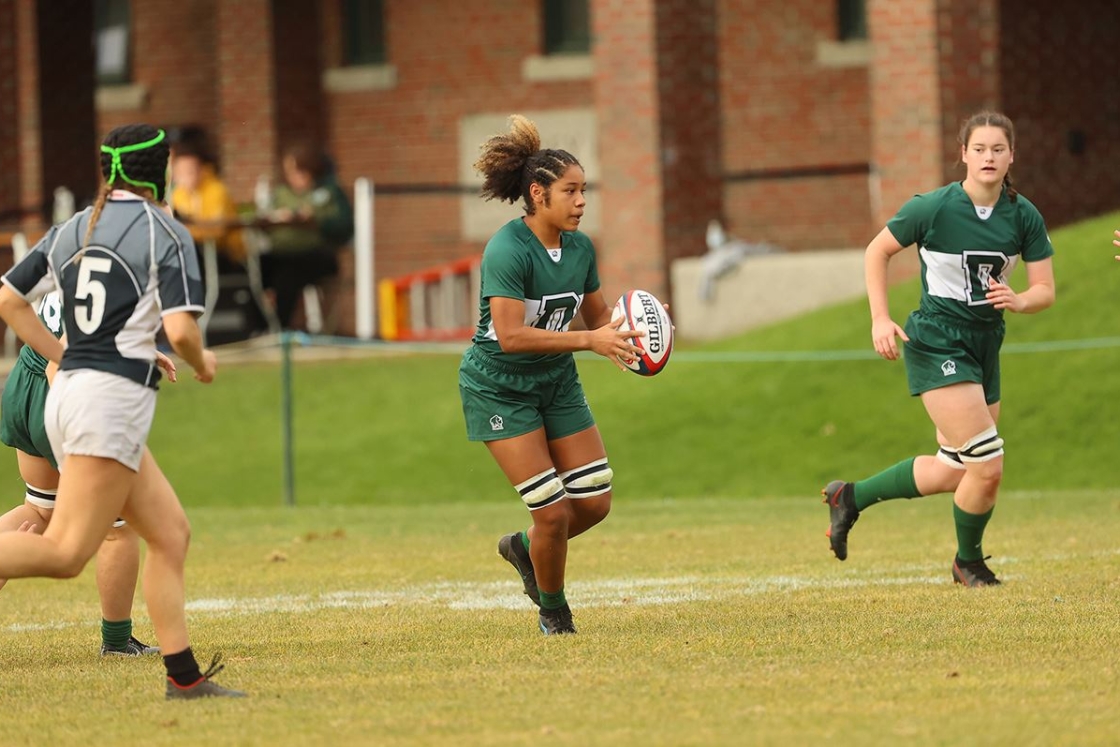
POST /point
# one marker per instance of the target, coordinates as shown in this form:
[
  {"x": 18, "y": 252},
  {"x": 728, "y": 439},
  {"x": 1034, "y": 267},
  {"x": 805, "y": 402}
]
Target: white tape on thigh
[
  {"x": 588, "y": 481},
  {"x": 982, "y": 447},
  {"x": 541, "y": 490},
  {"x": 951, "y": 457},
  {"x": 39, "y": 497}
]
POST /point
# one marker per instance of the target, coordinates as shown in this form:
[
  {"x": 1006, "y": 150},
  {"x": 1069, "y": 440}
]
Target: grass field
[
  {"x": 710, "y": 609},
  {"x": 702, "y": 622}
]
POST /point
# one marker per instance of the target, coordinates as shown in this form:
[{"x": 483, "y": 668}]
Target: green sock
[
  {"x": 525, "y": 540},
  {"x": 553, "y": 600},
  {"x": 970, "y": 533},
  {"x": 893, "y": 482},
  {"x": 115, "y": 635}
]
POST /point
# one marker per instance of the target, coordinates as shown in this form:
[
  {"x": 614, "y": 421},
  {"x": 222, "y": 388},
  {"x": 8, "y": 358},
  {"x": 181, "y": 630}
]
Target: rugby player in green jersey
[
  {"x": 518, "y": 382},
  {"x": 970, "y": 235}
]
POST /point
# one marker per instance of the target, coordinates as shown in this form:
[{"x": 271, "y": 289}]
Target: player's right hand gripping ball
[{"x": 641, "y": 310}]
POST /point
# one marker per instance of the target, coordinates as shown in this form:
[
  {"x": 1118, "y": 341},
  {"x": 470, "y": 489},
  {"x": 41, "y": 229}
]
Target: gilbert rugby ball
[{"x": 641, "y": 310}]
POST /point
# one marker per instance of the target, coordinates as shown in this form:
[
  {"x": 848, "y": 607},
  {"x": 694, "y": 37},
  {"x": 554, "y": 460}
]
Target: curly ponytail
[{"x": 511, "y": 163}]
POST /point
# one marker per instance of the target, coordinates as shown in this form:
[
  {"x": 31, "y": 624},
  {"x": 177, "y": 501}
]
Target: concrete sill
[
  {"x": 127, "y": 97},
  {"x": 558, "y": 67},
  {"x": 844, "y": 54},
  {"x": 360, "y": 78}
]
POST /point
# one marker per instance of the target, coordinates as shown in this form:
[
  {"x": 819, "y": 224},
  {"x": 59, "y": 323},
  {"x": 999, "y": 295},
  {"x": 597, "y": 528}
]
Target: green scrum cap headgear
[{"x": 136, "y": 154}]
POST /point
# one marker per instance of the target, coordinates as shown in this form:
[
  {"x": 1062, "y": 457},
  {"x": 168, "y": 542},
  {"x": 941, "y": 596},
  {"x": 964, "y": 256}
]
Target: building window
[
  {"x": 112, "y": 28},
  {"x": 852, "y": 20},
  {"x": 363, "y": 24},
  {"x": 567, "y": 27}
]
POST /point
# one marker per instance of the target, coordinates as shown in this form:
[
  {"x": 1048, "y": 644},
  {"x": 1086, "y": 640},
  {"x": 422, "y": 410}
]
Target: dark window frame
[
  {"x": 851, "y": 20},
  {"x": 109, "y": 15},
  {"x": 566, "y": 26},
  {"x": 363, "y": 33}
]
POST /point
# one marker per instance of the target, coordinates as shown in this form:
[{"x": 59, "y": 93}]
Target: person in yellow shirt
[{"x": 203, "y": 204}]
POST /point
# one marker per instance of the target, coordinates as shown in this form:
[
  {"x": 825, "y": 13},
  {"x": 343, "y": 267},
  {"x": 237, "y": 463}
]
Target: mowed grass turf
[
  {"x": 710, "y": 609},
  {"x": 702, "y": 621}
]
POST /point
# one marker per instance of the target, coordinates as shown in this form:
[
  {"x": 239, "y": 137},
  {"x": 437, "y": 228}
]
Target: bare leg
[
  {"x": 570, "y": 453},
  {"x": 118, "y": 563},
  {"x": 26, "y": 517},
  {"x": 549, "y": 545},
  {"x": 154, "y": 512},
  {"x": 95, "y": 489},
  {"x": 933, "y": 476},
  {"x": 960, "y": 413},
  {"x": 521, "y": 458}
]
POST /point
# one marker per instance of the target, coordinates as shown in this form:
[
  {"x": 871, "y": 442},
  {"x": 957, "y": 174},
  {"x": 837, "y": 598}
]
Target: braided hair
[
  {"x": 134, "y": 158},
  {"x": 511, "y": 163},
  {"x": 992, "y": 119}
]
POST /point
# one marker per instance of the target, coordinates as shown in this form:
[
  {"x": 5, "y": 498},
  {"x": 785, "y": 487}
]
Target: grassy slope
[{"x": 389, "y": 429}]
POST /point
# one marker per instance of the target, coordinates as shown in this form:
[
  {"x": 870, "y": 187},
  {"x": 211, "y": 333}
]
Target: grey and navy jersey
[
  {"x": 139, "y": 265},
  {"x": 962, "y": 248},
  {"x": 551, "y": 282}
]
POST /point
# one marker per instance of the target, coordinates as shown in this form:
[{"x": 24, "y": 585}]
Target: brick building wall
[
  {"x": 792, "y": 125},
  {"x": 9, "y": 111},
  {"x": 66, "y": 86},
  {"x": 173, "y": 60},
  {"x": 805, "y": 151},
  {"x": 452, "y": 59},
  {"x": 626, "y": 102},
  {"x": 968, "y": 52},
  {"x": 246, "y": 100},
  {"x": 31, "y": 192},
  {"x": 1061, "y": 83},
  {"x": 906, "y": 109},
  {"x": 297, "y": 70},
  {"x": 687, "y": 54}
]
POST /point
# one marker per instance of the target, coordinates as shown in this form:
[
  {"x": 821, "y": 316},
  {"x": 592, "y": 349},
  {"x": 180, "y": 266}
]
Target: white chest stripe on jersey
[{"x": 956, "y": 276}]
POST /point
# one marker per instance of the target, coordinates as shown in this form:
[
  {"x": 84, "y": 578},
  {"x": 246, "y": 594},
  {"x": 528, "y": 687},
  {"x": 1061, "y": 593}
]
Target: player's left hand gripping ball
[{"x": 642, "y": 311}]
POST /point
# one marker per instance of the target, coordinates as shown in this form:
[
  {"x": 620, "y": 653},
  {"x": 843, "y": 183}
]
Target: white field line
[
  {"x": 507, "y": 595},
  {"x": 466, "y": 595}
]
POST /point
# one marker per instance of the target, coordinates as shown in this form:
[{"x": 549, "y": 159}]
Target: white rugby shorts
[{"x": 94, "y": 413}]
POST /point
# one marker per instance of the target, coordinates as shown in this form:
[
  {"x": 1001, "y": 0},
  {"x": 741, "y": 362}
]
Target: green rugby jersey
[
  {"x": 552, "y": 283},
  {"x": 50, "y": 312},
  {"x": 963, "y": 247}
]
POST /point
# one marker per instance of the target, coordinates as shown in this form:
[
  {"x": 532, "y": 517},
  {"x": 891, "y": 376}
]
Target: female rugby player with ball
[{"x": 520, "y": 389}]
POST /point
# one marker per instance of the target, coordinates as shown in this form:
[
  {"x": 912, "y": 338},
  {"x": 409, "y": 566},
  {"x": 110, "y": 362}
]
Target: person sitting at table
[
  {"x": 202, "y": 202},
  {"x": 310, "y": 220}
]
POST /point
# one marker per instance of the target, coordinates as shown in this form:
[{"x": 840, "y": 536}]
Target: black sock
[{"x": 182, "y": 668}]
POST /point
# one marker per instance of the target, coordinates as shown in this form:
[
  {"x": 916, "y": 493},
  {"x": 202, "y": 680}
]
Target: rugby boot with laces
[
  {"x": 557, "y": 621},
  {"x": 132, "y": 648},
  {"x": 205, "y": 687},
  {"x": 973, "y": 573},
  {"x": 513, "y": 550},
  {"x": 840, "y": 497}
]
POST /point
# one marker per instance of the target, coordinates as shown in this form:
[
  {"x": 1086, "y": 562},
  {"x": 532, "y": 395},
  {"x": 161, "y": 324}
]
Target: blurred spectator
[
  {"x": 310, "y": 220},
  {"x": 202, "y": 202}
]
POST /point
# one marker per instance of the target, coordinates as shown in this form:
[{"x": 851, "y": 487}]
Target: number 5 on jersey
[{"x": 91, "y": 291}]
